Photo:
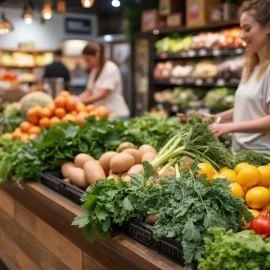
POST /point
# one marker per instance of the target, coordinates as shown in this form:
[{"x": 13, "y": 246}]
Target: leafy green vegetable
[
  {"x": 196, "y": 141},
  {"x": 9, "y": 122},
  {"x": 151, "y": 129},
  {"x": 187, "y": 207},
  {"x": 234, "y": 251},
  {"x": 251, "y": 157}
]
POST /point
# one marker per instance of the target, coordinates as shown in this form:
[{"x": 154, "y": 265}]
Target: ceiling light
[
  {"x": 28, "y": 15},
  {"x": 61, "y": 6},
  {"x": 8, "y": 26},
  {"x": 108, "y": 38},
  {"x": 116, "y": 3},
  {"x": 87, "y": 3},
  {"x": 47, "y": 11},
  {"x": 2, "y": 29}
]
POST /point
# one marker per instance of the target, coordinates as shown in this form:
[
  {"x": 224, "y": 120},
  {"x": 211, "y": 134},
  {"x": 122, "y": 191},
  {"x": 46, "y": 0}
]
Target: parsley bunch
[
  {"x": 251, "y": 157},
  {"x": 234, "y": 251}
]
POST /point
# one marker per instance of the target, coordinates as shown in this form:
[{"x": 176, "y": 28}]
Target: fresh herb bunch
[
  {"x": 187, "y": 207},
  {"x": 251, "y": 157},
  {"x": 9, "y": 150},
  {"x": 234, "y": 251},
  {"x": 196, "y": 141},
  {"x": 152, "y": 129},
  {"x": 8, "y": 123},
  {"x": 108, "y": 203}
]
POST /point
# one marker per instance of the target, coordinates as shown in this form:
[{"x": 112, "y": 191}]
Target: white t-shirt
[
  {"x": 109, "y": 78},
  {"x": 251, "y": 103}
]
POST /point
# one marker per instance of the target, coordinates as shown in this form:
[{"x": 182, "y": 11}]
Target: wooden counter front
[{"x": 36, "y": 233}]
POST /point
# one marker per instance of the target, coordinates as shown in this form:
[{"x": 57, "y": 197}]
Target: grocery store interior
[{"x": 135, "y": 134}]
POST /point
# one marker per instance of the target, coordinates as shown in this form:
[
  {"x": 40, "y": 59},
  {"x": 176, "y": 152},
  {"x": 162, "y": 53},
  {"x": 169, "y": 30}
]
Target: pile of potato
[{"x": 128, "y": 158}]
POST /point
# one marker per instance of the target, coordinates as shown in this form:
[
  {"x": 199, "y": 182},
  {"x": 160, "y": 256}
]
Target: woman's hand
[{"x": 220, "y": 129}]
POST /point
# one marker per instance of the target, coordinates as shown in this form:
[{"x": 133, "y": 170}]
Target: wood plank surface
[
  {"x": 7, "y": 203},
  {"x": 117, "y": 253},
  {"x": 90, "y": 263}
]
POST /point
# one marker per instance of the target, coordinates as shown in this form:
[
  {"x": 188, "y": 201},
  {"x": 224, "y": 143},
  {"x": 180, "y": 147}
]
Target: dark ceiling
[{"x": 101, "y": 7}]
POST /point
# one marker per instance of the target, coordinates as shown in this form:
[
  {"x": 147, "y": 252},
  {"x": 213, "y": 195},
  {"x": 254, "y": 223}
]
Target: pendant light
[
  {"x": 2, "y": 29},
  {"x": 87, "y": 3},
  {"x": 7, "y": 25},
  {"x": 28, "y": 15},
  {"x": 47, "y": 10},
  {"x": 61, "y": 6}
]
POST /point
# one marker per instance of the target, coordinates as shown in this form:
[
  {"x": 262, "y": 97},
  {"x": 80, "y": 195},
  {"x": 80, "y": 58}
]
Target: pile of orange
[{"x": 65, "y": 108}]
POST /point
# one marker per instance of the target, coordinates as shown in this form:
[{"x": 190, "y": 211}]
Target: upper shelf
[{"x": 200, "y": 53}]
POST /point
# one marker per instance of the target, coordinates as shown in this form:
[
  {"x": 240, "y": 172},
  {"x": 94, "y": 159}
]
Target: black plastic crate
[
  {"x": 136, "y": 229},
  {"x": 54, "y": 180}
]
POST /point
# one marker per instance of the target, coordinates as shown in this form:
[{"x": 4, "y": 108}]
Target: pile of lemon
[{"x": 248, "y": 182}]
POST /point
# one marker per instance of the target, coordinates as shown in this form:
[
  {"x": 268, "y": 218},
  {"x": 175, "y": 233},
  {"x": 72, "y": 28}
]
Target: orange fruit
[
  {"x": 44, "y": 122},
  {"x": 248, "y": 176},
  {"x": 71, "y": 104},
  {"x": 34, "y": 130},
  {"x": 255, "y": 213},
  {"x": 64, "y": 94},
  {"x": 229, "y": 174},
  {"x": 90, "y": 108},
  {"x": 265, "y": 176},
  {"x": 83, "y": 114},
  {"x": 60, "y": 112},
  {"x": 60, "y": 102},
  {"x": 51, "y": 108},
  {"x": 80, "y": 107},
  {"x": 237, "y": 190},
  {"x": 54, "y": 121},
  {"x": 223, "y": 169},
  {"x": 97, "y": 118},
  {"x": 17, "y": 134},
  {"x": 74, "y": 113},
  {"x": 6, "y": 136},
  {"x": 240, "y": 166},
  {"x": 38, "y": 110},
  {"x": 207, "y": 169},
  {"x": 45, "y": 113},
  {"x": 102, "y": 111},
  {"x": 24, "y": 126},
  {"x": 24, "y": 138},
  {"x": 68, "y": 117},
  {"x": 79, "y": 119},
  {"x": 32, "y": 116},
  {"x": 32, "y": 136},
  {"x": 258, "y": 197}
]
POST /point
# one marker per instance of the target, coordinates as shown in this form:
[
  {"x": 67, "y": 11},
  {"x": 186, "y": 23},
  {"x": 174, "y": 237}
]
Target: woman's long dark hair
[{"x": 91, "y": 49}]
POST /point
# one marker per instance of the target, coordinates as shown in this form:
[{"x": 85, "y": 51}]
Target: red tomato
[{"x": 261, "y": 224}]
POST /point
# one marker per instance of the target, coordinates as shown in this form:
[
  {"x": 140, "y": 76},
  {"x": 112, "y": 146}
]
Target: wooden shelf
[
  {"x": 21, "y": 67},
  {"x": 26, "y": 51}
]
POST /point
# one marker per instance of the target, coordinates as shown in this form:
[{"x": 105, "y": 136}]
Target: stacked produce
[
  {"x": 8, "y": 77},
  {"x": 226, "y": 39}
]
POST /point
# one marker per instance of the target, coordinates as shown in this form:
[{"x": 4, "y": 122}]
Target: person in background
[
  {"x": 57, "y": 69},
  {"x": 249, "y": 121},
  {"x": 104, "y": 87}
]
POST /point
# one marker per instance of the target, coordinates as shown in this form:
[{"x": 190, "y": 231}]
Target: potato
[
  {"x": 122, "y": 162},
  {"x": 127, "y": 179},
  {"x": 93, "y": 171},
  {"x": 168, "y": 173},
  {"x": 80, "y": 160},
  {"x": 149, "y": 157},
  {"x": 65, "y": 169},
  {"x": 135, "y": 153},
  {"x": 105, "y": 160},
  {"x": 77, "y": 177},
  {"x": 110, "y": 172},
  {"x": 113, "y": 176},
  {"x": 125, "y": 145},
  {"x": 145, "y": 148},
  {"x": 136, "y": 169},
  {"x": 151, "y": 220}
]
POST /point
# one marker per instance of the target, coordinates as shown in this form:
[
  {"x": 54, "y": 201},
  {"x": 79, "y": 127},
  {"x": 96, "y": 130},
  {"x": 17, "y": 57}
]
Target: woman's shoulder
[{"x": 110, "y": 66}]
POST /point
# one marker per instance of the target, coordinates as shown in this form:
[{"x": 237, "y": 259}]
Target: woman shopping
[
  {"x": 104, "y": 86},
  {"x": 249, "y": 121}
]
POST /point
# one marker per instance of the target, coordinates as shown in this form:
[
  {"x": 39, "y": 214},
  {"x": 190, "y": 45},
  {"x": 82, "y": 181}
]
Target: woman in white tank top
[{"x": 249, "y": 121}]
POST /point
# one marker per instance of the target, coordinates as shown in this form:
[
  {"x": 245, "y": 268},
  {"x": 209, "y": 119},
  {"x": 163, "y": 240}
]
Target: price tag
[
  {"x": 191, "y": 53},
  {"x": 202, "y": 52},
  {"x": 220, "y": 82},
  {"x": 239, "y": 51},
  {"x": 175, "y": 108},
  {"x": 199, "y": 82},
  {"x": 216, "y": 52}
]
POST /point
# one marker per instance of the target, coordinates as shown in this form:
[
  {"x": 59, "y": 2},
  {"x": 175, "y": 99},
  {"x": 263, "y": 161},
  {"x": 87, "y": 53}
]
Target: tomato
[
  {"x": 248, "y": 176},
  {"x": 229, "y": 174},
  {"x": 265, "y": 176},
  {"x": 223, "y": 169},
  {"x": 261, "y": 225},
  {"x": 207, "y": 169},
  {"x": 258, "y": 197},
  {"x": 240, "y": 166},
  {"x": 237, "y": 190}
]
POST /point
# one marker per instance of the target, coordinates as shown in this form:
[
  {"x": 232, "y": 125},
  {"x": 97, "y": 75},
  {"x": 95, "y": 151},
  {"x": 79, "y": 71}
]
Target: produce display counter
[{"x": 36, "y": 233}]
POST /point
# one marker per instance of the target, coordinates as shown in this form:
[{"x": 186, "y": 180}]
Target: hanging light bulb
[
  {"x": 2, "y": 29},
  {"x": 87, "y": 3},
  {"x": 28, "y": 15},
  {"x": 8, "y": 26},
  {"x": 47, "y": 11},
  {"x": 61, "y": 6},
  {"x": 116, "y": 3}
]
